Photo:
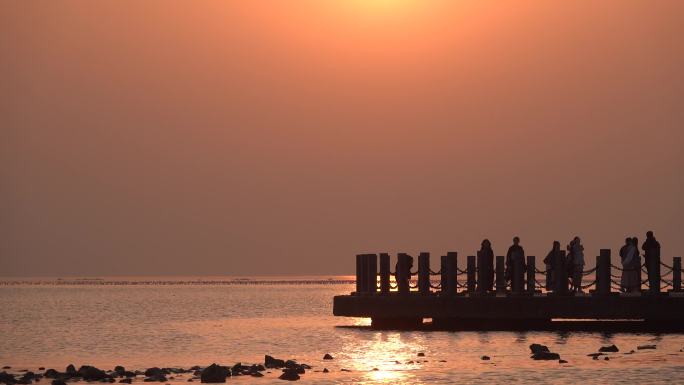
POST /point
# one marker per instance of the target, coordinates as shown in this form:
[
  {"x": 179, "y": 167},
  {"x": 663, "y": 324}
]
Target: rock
[
  {"x": 325, "y": 370},
  {"x": 91, "y": 373},
  {"x": 154, "y": 372},
  {"x": 7, "y": 378},
  {"x": 595, "y": 355},
  {"x": 595, "y": 358},
  {"x": 190, "y": 380},
  {"x": 51, "y": 373},
  {"x": 126, "y": 381},
  {"x": 374, "y": 370},
  {"x": 58, "y": 382},
  {"x": 630, "y": 352},
  {"x": 421, "y": 354},
  {"x": 327, "y": 357},
  {"x": 271, "y": 362},
  {"x": 345, "y": 370},
  {"x": 256, "y": 374},
  {"x": 609, "y": 349},
  {"x": 562, "y": 362},
  {"x": 289, "y": 375},
  {"x": 156, "y": 378},
  {"x": 606, "y": 358},
  {"x": 71, "y": 370},
  {"x": 120, "y": 370},
  {"x": 214, "y": 374},
  {"x": 644, "y": 347},
  {"x": 537, "y": 348},
  {"x": 545, "y": 356},
  {"x": 129, "y": 374},
  {"x": 442, "y": 360},
  {"x": 484, "y": 358}
]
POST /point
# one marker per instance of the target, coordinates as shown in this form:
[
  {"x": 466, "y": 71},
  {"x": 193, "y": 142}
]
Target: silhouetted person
[
  {"x": 631, "y": 265},
  {"x": 576, "y": 263},
  {"x": 554, "y": 260},
  {"x": 485, "y": 267},
  {"x": 651, "y": 249},
  {"x": 403, "y": 274},
  {"x": 515, "y": 262}
]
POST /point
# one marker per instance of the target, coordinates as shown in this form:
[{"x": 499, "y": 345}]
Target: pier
[{"x": 531, "y": 299}]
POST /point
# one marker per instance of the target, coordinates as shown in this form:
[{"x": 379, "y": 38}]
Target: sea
[{"x": 143, "y": 322}]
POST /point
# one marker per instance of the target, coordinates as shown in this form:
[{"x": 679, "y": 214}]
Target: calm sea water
[{"x": 143, "y": 325}]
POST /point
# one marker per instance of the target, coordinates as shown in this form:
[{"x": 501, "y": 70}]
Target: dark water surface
[{"x": 139, "y": 324}]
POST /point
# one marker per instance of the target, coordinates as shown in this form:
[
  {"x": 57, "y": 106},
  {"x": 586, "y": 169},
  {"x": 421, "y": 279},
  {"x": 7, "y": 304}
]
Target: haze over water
[{"x": 141, "y": 326}]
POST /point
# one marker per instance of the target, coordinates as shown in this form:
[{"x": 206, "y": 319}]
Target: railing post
[
  {"x": 531, "y": 281},
  {"x": 424, "y": 273},
  {"x": 518, "y": 279},
  {"x": 372, "y": 273},
  {"x": 560, "y": 275},
  {"x": 359, "y": 273},
  {"x": 500, "y": 274},
  {"x": 603, "y": 273},
  {"x": 677, "y": 274},
  {"x": 449, "y": 273},
  {"x": 484, "y": 273},
  {"x": 384, "y": 273},
  {"x": 471, "y": 273},
  {"x": 403, "y": 273}
]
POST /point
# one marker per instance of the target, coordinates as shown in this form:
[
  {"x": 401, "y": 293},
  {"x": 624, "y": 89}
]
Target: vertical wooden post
[
  {"x": 500, "y": 274},
  {"x": 603, "y": 273},
  {"x": 531, "y": 281},
  {"x": 677, "y": 274},
  {"x": 372, "y": 273},
  {"x": 424, "y": 273},
  {"x": 560, "y": 275},
  {"x": 359, "y": 273},
  {"x": 450, "y": 273},
  {"x": 384, "y": 273},
  {"x": 403, "y": 273},
  {"x": 484, "y": 273},
  {"x": 471, "y": 273}
]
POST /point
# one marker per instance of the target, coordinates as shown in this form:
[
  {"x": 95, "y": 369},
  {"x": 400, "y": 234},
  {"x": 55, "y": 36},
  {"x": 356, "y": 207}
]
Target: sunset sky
[{"x": 284, "y": 137}]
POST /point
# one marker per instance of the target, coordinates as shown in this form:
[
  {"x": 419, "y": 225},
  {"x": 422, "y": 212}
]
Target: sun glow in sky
[{"x": 244, "y": 132}]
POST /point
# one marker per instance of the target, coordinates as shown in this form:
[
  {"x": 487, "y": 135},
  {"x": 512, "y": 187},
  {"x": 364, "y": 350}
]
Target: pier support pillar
[
  {"x": 603, "y": 273},
  {"x": 677, "y": 274},
  {"x": 424, "y": 273},
  {"x": 359, "y": 273},
  {"x": 371, "y": 273},
  {"x": 384, "y": 273},
  {"x": 471, "y": 274},
  {"x": 449, "y": 279},
  {"x": 531, "y": 281},
  {"x": 500, "y": 274}
]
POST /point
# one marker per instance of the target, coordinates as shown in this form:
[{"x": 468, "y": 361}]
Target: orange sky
[{"x": 283, "y": 137}]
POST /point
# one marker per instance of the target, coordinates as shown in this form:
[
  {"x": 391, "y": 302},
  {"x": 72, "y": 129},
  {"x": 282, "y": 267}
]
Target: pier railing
[{"x": 520, "y": 277}]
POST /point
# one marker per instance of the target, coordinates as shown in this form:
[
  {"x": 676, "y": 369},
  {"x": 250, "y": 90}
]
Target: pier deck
[{"x": 522, "y": 303}]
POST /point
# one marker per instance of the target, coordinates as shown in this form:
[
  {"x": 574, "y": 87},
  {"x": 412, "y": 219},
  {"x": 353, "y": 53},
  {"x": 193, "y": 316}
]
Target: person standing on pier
[
  {"x": 485, "y": 267},
  {"x": 515, "y": 255},
  {"x": 651, "y": 249},
  {"x": 577, "y": 263},
  {"x": 631, "y": 264},
  {"x": 554, "y": 260}
]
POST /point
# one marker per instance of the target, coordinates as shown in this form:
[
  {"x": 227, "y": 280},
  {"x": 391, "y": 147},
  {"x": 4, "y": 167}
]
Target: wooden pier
[{"x": 531, "y": 299}]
